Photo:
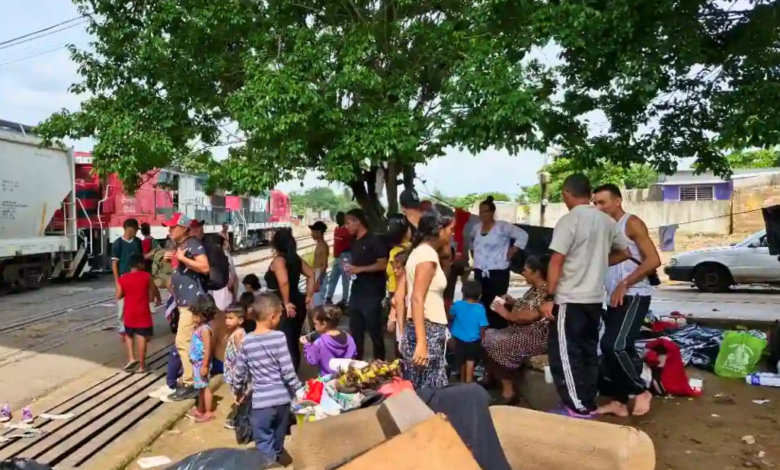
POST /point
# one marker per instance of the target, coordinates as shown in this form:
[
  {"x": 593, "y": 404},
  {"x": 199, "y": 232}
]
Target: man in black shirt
[{"x": 367, "y": 268}]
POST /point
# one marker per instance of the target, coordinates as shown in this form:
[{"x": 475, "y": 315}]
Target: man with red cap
[{"x": 188, "y": 283}]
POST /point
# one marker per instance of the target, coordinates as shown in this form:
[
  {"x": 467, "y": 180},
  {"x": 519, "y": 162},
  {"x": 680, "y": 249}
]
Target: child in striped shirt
[{"x": 264, "y": 358}]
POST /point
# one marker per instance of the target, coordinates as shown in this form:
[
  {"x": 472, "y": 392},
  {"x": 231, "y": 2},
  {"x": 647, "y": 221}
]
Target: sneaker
[
  {"x": 5, "y": 413},
  {"x": 229, "y": 424},
  {"x": 563, "y": 410},
  {"x": 184, "y": 393},
  {"x": 163, "y": 391},
  {"x": 27, "y": 415}
]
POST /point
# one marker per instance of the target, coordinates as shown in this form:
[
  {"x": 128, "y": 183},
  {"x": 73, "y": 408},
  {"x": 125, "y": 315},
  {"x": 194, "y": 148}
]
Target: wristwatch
[{"x": 549, "y": 297}]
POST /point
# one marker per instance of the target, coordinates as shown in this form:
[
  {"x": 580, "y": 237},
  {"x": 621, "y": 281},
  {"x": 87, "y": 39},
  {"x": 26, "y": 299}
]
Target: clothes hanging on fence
[{"x": 666, "y": 236}]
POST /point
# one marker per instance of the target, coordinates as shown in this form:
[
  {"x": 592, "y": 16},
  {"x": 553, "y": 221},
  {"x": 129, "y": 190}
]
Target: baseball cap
[
  {"x": 409, "y": 199},
  {"x": 180, "y": 220},
  {"x": 319, "y": 226}
]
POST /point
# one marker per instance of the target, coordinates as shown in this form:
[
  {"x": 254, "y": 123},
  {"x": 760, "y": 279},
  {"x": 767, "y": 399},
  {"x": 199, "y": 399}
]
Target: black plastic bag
[
  {"x": 22, "y": 464},
  {"x": 242, "y": 421},
  {"x": 225, "y": 459}
]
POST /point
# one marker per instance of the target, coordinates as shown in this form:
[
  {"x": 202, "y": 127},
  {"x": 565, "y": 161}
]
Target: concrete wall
[
  {"x": 712, "y": 217},
  {"x": 652, "y": 193},
  {"x": 747, "y": 204}
]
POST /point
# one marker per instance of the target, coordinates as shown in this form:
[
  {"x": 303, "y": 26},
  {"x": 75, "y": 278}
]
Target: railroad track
[
  {"x": 61, "y": 337},
  {"x": 21, "y": 324}
]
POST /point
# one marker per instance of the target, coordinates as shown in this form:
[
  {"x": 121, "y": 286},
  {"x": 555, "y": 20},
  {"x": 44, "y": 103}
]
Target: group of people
[
  {"x": 256, "y": 337},
  {"x": 250, "y": 334},
  {"x": 596, "y": 248}
]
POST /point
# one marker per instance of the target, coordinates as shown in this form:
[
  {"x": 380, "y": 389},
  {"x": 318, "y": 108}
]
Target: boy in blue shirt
[{"x": 469, "y": 322}]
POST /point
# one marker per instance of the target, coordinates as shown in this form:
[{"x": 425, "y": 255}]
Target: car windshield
[{"x": 749, "y": 239}]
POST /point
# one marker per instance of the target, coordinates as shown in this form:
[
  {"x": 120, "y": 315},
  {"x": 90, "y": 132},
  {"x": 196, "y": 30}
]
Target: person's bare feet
[
  {"x": 614, "y": 408},
  {"x": 642, "y": 404}
]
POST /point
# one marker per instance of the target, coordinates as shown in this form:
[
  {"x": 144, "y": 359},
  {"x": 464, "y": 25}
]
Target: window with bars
[{"x": 697, "y": 193}]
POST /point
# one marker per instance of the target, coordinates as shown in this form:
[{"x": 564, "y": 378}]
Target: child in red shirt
[{"x": 138, "y": 290}]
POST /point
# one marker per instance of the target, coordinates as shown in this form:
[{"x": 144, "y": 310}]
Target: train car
[
  {"x": 34, "y": 182},
  {"x": 103, "y": 206}
]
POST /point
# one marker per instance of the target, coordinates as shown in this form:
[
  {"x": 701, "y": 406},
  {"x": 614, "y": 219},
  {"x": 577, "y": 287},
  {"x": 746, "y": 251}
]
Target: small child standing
[
  {"x": 137, "y": 290},
  {"x": 468, "y": 328},
  {"x": 200, "y": 356},
  {"x": 235, "y": 316},
  {"x": 264, "y": 358},
  {"x": 331, "y": 344},
  {"x": 246, "y": 300}
]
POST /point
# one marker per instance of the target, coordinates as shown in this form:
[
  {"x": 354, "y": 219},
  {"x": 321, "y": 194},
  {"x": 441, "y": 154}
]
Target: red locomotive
[{"x": 103, "y": 206}]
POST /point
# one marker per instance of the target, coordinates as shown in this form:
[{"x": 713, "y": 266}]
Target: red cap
[{"x": 179, "y": 219}]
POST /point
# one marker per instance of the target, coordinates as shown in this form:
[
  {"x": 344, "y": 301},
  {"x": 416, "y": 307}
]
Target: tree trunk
[
  {"x": 409, "y": 174},
  {"x": 364, "y": 189},
  {"x": 392, "y": 188}
]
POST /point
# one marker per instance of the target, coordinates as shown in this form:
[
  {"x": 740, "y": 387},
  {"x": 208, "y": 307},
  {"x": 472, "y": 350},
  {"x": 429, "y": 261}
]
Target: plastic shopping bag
[
  {"x": 225, "y": 459},
  {"x": 739, "y": 354}
]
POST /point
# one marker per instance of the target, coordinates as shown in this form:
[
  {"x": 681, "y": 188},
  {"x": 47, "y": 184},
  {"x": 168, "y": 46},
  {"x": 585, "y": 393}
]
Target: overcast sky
[{"x": 35, "y": 76}]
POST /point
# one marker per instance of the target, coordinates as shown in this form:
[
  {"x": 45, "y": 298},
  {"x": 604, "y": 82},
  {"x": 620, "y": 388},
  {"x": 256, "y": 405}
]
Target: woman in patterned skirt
[
  {"x": 425, "y": 332},
  {"x": 526, "y": 335}
]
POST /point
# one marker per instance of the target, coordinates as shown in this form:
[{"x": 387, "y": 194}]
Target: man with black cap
[{"x": 320, "y": 261}]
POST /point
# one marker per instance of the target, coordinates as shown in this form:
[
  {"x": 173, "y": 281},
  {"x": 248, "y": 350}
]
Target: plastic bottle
[{"x": 763, "y": 378}]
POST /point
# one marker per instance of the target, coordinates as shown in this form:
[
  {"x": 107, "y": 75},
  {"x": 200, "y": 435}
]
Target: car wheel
[{"x": 712, "y": 278}]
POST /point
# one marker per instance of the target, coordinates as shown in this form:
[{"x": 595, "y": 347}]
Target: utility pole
[{"x": 544, "y": 183}]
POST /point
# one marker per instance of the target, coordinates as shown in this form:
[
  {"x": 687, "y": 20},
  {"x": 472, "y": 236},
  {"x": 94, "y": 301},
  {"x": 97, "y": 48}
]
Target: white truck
[{"x": 34, "y": 182}]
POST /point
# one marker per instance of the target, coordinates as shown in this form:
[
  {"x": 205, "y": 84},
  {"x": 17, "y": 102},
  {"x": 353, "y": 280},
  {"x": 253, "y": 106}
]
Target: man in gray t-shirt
[{"x": 585, "y": 243}]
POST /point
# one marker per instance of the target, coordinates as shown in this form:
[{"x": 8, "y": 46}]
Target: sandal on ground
[
  {"x": 204, "y": 418},
  {"x": 130, "y": 366},
  {"x": 194, "y": 413}
]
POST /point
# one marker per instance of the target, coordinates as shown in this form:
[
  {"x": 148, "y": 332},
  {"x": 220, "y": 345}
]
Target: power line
[
  {"x": 31, "y": 56},
  {"x": 40, "y": 31},
  {"x": 35, "y": 38}
]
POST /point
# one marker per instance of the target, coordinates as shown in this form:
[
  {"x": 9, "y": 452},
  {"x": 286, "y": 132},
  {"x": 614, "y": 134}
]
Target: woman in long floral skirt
[{"x": 425, "y": 332}]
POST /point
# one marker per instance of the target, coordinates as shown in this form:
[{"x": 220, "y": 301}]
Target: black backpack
[{"x": 219, "y": 267}]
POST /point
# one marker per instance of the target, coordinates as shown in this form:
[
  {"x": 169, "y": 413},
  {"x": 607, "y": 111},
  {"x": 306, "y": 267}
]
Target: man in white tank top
[{"x": 628, "y": 300}]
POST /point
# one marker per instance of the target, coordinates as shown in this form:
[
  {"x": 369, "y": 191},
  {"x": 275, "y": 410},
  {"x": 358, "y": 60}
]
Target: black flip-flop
[{"x": 130, "y": 366}]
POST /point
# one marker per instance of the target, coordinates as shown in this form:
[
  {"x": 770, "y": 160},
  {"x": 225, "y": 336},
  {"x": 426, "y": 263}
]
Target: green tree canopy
[
  {"x": 763, "y": 158},
  {"x": 466, "y": 202},
  {"x": 363, "y": 90},
  {"x": 320, "y": 199},
  {"x": 354, "y": 89},
  {"x": 634, "y": 177},
  {"x": 673, "y": 79}
]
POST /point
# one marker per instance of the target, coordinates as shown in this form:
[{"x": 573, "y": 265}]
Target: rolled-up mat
[{"x": 541, "y": 441}]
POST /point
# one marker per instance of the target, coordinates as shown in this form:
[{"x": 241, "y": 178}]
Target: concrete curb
[{"x": 121, "y": 453}]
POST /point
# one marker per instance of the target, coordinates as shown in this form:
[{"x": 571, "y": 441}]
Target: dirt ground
[
  {"x": 714, "y": 431},
  {"x": 723, "y": 429}
]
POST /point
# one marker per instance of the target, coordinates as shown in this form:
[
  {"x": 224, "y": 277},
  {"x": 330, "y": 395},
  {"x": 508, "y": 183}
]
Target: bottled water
[{"x": 763, "y": 378}]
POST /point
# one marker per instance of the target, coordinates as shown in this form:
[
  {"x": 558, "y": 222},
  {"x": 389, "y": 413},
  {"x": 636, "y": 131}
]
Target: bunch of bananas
[{"x": 372, "y": 376}]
